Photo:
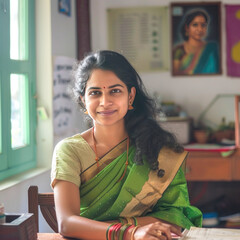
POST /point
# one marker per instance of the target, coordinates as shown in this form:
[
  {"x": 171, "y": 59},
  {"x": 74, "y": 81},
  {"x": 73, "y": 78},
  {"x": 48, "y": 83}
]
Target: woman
[
  {"x": 121, "y": 179},
  {"x": 195, "y": 56}
]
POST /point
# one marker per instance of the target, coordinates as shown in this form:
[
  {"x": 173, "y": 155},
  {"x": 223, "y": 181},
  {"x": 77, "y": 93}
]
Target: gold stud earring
[{"x": 86, "y": 112}]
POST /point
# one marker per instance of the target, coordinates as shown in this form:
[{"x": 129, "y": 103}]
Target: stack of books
[{"x": 231, "y": 221}]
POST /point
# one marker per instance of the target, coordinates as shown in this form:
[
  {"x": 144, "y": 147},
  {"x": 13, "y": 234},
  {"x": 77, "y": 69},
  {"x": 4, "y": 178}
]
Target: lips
[{"x": 106, "y": 112}]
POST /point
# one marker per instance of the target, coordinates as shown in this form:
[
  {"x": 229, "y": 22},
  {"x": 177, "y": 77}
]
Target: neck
[
  {"x": 195, "y": 43},
  {"x": 109, "y": 135}
]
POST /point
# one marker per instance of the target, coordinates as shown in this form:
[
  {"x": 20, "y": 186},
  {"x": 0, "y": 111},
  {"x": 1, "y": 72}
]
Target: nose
[
  {"x": 105, "y": 100},
  {"x": 201, "y": 28}
]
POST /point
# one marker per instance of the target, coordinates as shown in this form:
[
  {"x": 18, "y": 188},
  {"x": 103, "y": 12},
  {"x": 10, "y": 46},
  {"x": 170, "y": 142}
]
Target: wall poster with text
[
  {"x": 63, "y": 108},
  {"x": 141, "y": 34}
]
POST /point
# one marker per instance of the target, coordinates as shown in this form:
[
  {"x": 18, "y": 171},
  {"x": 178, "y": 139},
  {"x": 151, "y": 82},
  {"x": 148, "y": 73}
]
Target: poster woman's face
[{"x": 197, "y": 28}]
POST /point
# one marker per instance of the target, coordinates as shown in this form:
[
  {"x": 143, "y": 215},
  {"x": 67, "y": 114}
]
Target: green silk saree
[{"x": 141, "y": 192}]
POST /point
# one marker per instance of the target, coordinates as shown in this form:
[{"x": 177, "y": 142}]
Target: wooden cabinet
[{"x": 211, "y": 166}]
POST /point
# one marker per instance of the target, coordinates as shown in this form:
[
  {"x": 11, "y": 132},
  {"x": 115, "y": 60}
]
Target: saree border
[{"x": 154, "y": 188}]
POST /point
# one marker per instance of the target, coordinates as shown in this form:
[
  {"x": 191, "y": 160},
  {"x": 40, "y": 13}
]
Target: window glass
[
  {"x": 0, "y": 119},
  {"x": 19, "y": 110},
  {"x": 18, "y": 30},
  {"x": 18, "y": 117}
]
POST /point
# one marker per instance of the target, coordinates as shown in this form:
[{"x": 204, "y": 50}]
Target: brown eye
[
  {"x": 115, "y": 91},
  {"x": 94, "y": 93}
]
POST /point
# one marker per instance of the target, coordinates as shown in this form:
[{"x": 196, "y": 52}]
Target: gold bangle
[
  {"x": 133, "y": 232},
  {"x": 129, "y": 221}
]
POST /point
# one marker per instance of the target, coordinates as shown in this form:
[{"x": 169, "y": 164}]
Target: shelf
[{"x": 211, "y": 166}]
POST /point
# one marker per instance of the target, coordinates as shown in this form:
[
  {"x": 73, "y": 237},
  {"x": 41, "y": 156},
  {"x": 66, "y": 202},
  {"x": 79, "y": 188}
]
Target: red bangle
[
  {"x": 115, "y": 231},
  {"x": 112, "y": 229},
  {"x": 107, "y": 232},
  {"x": 126, "y": 231}
]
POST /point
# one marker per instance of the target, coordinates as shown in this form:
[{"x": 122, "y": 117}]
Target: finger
[
  {"x": 173, "y": 228},
  {"x": 163, "y": 234},
  {"x": 176, "y": 230}
]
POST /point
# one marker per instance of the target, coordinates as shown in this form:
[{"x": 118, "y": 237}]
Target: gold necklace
[{"x": 97, "y": 158}]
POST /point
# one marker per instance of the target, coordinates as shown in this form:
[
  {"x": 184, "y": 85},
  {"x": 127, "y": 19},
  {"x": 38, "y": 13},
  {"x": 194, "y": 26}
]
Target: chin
[{"x": 109, "y": 122}]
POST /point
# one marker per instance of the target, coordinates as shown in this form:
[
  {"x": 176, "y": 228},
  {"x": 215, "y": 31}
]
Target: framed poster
[
  {"x": 196, "y": 38},
  {"x": 141, "y": 35},
  {"x": 233, "y": 39},
  {"x": 64, "y": 6}
]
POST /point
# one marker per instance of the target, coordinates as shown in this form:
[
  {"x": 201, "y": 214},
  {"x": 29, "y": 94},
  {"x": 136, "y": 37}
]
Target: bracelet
[
  {"x": 115, "y": 229},
  {"x": 135, "y": 221},
  {"x": 123, "y": 230},
  {"x": 129, "y": 220},
  {"x": 121, "y": 220},
  {"x": 133, "y": 232},
  {"x": 108, "y": 230},
  {"x": 118, "y": 231}
]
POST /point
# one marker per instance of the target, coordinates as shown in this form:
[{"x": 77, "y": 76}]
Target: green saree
[{"x": 141, "y": 192}]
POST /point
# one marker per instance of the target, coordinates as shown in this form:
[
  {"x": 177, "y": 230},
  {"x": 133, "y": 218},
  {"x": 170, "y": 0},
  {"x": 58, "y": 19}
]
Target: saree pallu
[
  {"x": 141, "y": 192},
  {"x": 203, "y": 61}
]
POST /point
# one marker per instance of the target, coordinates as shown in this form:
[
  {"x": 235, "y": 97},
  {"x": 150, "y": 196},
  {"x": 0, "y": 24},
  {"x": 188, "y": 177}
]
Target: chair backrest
[{"x": 46, "y": 203}]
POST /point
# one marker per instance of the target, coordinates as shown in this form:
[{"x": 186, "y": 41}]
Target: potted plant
[
  {"x": 202, "y": 133},
  {"x": 224, "y": 131}
]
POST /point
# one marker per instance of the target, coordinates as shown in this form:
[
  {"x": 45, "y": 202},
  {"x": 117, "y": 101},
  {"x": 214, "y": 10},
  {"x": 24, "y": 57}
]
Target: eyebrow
[
  {"x": 116, "y": 85},
  {"x": 112, "y": 86}
]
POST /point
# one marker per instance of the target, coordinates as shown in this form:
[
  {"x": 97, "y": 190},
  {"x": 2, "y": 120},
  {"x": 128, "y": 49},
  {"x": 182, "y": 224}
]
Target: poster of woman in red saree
[{"x": 196, "y": 44}]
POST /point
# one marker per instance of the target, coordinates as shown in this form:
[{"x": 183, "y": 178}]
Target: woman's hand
[{"x": 156, "y": 230}]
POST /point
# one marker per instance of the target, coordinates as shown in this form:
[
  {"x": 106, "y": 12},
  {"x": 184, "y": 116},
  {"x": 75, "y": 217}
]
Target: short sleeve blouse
[{"x": 70, "y": 158}]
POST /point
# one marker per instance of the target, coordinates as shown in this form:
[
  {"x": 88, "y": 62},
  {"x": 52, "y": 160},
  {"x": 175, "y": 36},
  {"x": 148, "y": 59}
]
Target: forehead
[
  {"x": 103, "y": 78},
  {"x": 199, "y": 18}
]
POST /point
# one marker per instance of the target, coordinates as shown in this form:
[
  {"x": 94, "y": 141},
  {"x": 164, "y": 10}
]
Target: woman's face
[
  {"x": 197, "y": 28},
  {"x": 107, "y": 98}
]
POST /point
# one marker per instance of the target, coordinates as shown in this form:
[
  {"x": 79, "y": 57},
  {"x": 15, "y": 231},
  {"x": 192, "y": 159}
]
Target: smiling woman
[
  {"x": 107, "y": 98},
  {"x": 195, "y": 55},
  {"x": 121, "y": 179}
]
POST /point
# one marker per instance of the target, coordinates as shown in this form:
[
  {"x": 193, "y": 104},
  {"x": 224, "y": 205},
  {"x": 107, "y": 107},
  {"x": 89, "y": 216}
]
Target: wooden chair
[{"x": 47, "y": 207}]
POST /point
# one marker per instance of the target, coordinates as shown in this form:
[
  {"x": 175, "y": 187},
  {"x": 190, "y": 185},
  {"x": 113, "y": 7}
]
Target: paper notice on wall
[
  {"x": 140, "y": 35},
  {"x": 63, "y": 108}
]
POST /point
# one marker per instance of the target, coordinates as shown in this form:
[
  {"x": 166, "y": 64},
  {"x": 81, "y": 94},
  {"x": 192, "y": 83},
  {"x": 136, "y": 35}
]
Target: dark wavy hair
[
  {"x": 189, "y": 18},
  {"x": 143, "y": 129}
]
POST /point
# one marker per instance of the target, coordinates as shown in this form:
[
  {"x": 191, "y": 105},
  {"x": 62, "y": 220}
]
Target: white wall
[
  {"x": 64, "y": 43},
  {"x": 192, "y": 93},
  {"x": 64, "y": 37}
]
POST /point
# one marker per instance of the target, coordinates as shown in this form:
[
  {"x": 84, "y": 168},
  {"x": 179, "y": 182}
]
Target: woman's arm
[{"x": 70, "y": 223}]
